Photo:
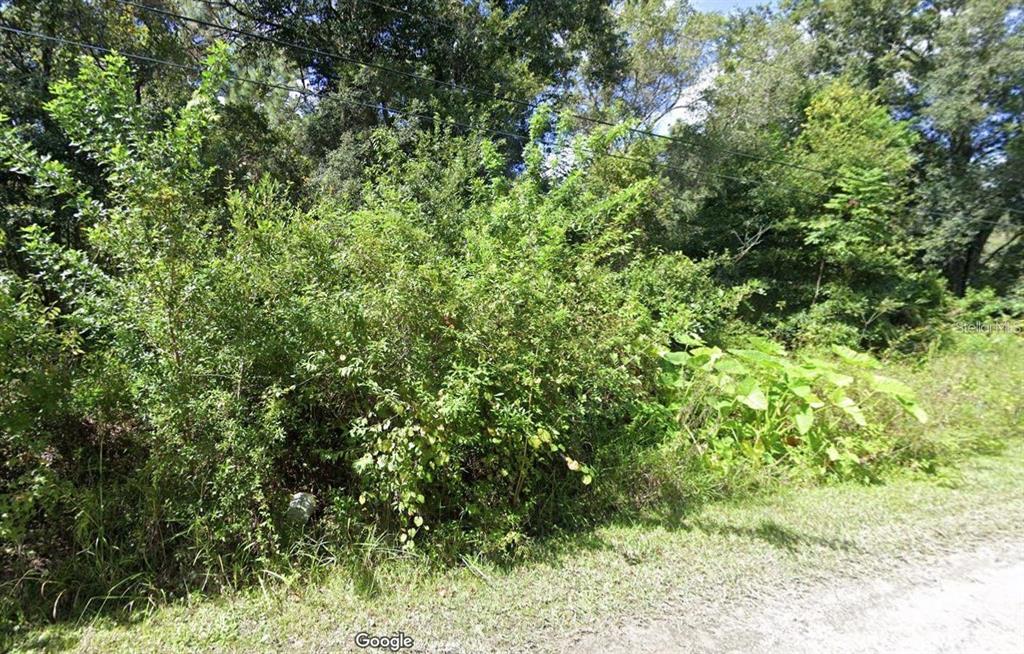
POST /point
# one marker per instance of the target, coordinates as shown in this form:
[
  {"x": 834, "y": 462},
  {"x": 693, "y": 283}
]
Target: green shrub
[
  {"x": 454, "y": 363},
  {"x": 33, "y": 351},
  {"x": 984, "y": 305},
  {"x": 762, "y": 404},
  {"x": 836, "y": 249}
]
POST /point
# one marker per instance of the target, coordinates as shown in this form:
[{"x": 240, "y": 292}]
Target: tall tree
[
  {"x": 386, "y": 54},
  {"x": 666, "y": 49},
  {"x": 956, "y": 69},
  {"x": 972, "y": 110}
]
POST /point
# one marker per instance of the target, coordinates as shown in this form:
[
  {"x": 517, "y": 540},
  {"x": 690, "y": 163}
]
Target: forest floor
[{"x": 919, "y": 563}]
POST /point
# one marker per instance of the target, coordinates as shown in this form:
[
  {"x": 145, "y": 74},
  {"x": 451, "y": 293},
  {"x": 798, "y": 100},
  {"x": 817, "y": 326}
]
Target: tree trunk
[{"x": 962, "y": 268}]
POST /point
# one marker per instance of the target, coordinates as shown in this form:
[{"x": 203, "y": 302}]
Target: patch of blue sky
[{"x": 726, "y": 6}]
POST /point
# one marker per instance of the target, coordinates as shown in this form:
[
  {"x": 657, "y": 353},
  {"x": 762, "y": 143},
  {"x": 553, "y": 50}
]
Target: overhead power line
[{"x": 376, "y": 107}]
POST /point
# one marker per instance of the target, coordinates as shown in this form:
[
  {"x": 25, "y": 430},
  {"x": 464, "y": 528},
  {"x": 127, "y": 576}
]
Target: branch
[
  {"x": 749, "y": 241},
  {"x": 1002, "y": 247}
]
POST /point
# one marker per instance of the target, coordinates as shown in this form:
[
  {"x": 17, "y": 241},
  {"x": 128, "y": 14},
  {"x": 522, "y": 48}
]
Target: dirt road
[{"x": 965, "y": 603}]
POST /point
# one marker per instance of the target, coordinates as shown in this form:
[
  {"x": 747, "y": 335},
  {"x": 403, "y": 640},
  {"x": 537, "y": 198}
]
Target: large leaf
[
  {"x": 750, "y": 394},
  {"x": 766, "y": 346},
  {"x": 893, "y": 387},
  {"x": 806, "y": 394},
  {"x": 838, "y": 379},
  {"x": 804, "y": 420},
  {"x": 731, "y": 366},
  {"x": 676, "y": 358},
  {"x": 855, "y": 358},
  {"x": 758, "y": 357},
  {"x": 914, "y": 409},
  {"x": 705, "y": 357},
  {"x": 690, "y": 340},
  {"x": 847, "y": 404}
]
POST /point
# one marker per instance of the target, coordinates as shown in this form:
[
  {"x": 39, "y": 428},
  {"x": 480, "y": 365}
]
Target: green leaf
[
  {"x": 363, "y": 462},
  {"x": 676, "y": 358},
  {"x": 804, "y": 420},
  {"x": 755, "y": 399},
  {"x": 765, "y": 345},
  {"x": 855, "y": 358},
  {"x": 850, "y": 407},
  {"x": 705, "y": 357},
  {"x": 857, "y": 415},
  {"x": 891, "y": 386},
  {"x": 769, "y": 361},
  {"x": 731, "y": 366},
  {"x": 838, "y": 379},
  {"x": 691, "y": 340},
  {"x": 914, "y": 409},
  {"x": 807, "y": 395}
]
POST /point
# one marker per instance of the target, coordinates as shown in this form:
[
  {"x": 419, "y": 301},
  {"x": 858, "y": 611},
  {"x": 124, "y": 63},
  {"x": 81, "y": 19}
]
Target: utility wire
[{"x": 555, "y": 146}]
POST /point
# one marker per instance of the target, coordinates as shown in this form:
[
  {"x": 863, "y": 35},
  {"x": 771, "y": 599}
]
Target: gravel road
[{"x": 964, "y": 603}]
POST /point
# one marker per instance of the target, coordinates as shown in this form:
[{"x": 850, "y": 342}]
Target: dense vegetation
[{"x": 333, "y": 286}]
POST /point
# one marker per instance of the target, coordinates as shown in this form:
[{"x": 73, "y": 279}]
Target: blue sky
[{"x": 725, "y": 5}]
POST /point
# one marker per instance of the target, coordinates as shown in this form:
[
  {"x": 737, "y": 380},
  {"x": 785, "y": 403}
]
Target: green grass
[
  {"x": 723, "y": 551},
  {"x": 720, "y": 551}
]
